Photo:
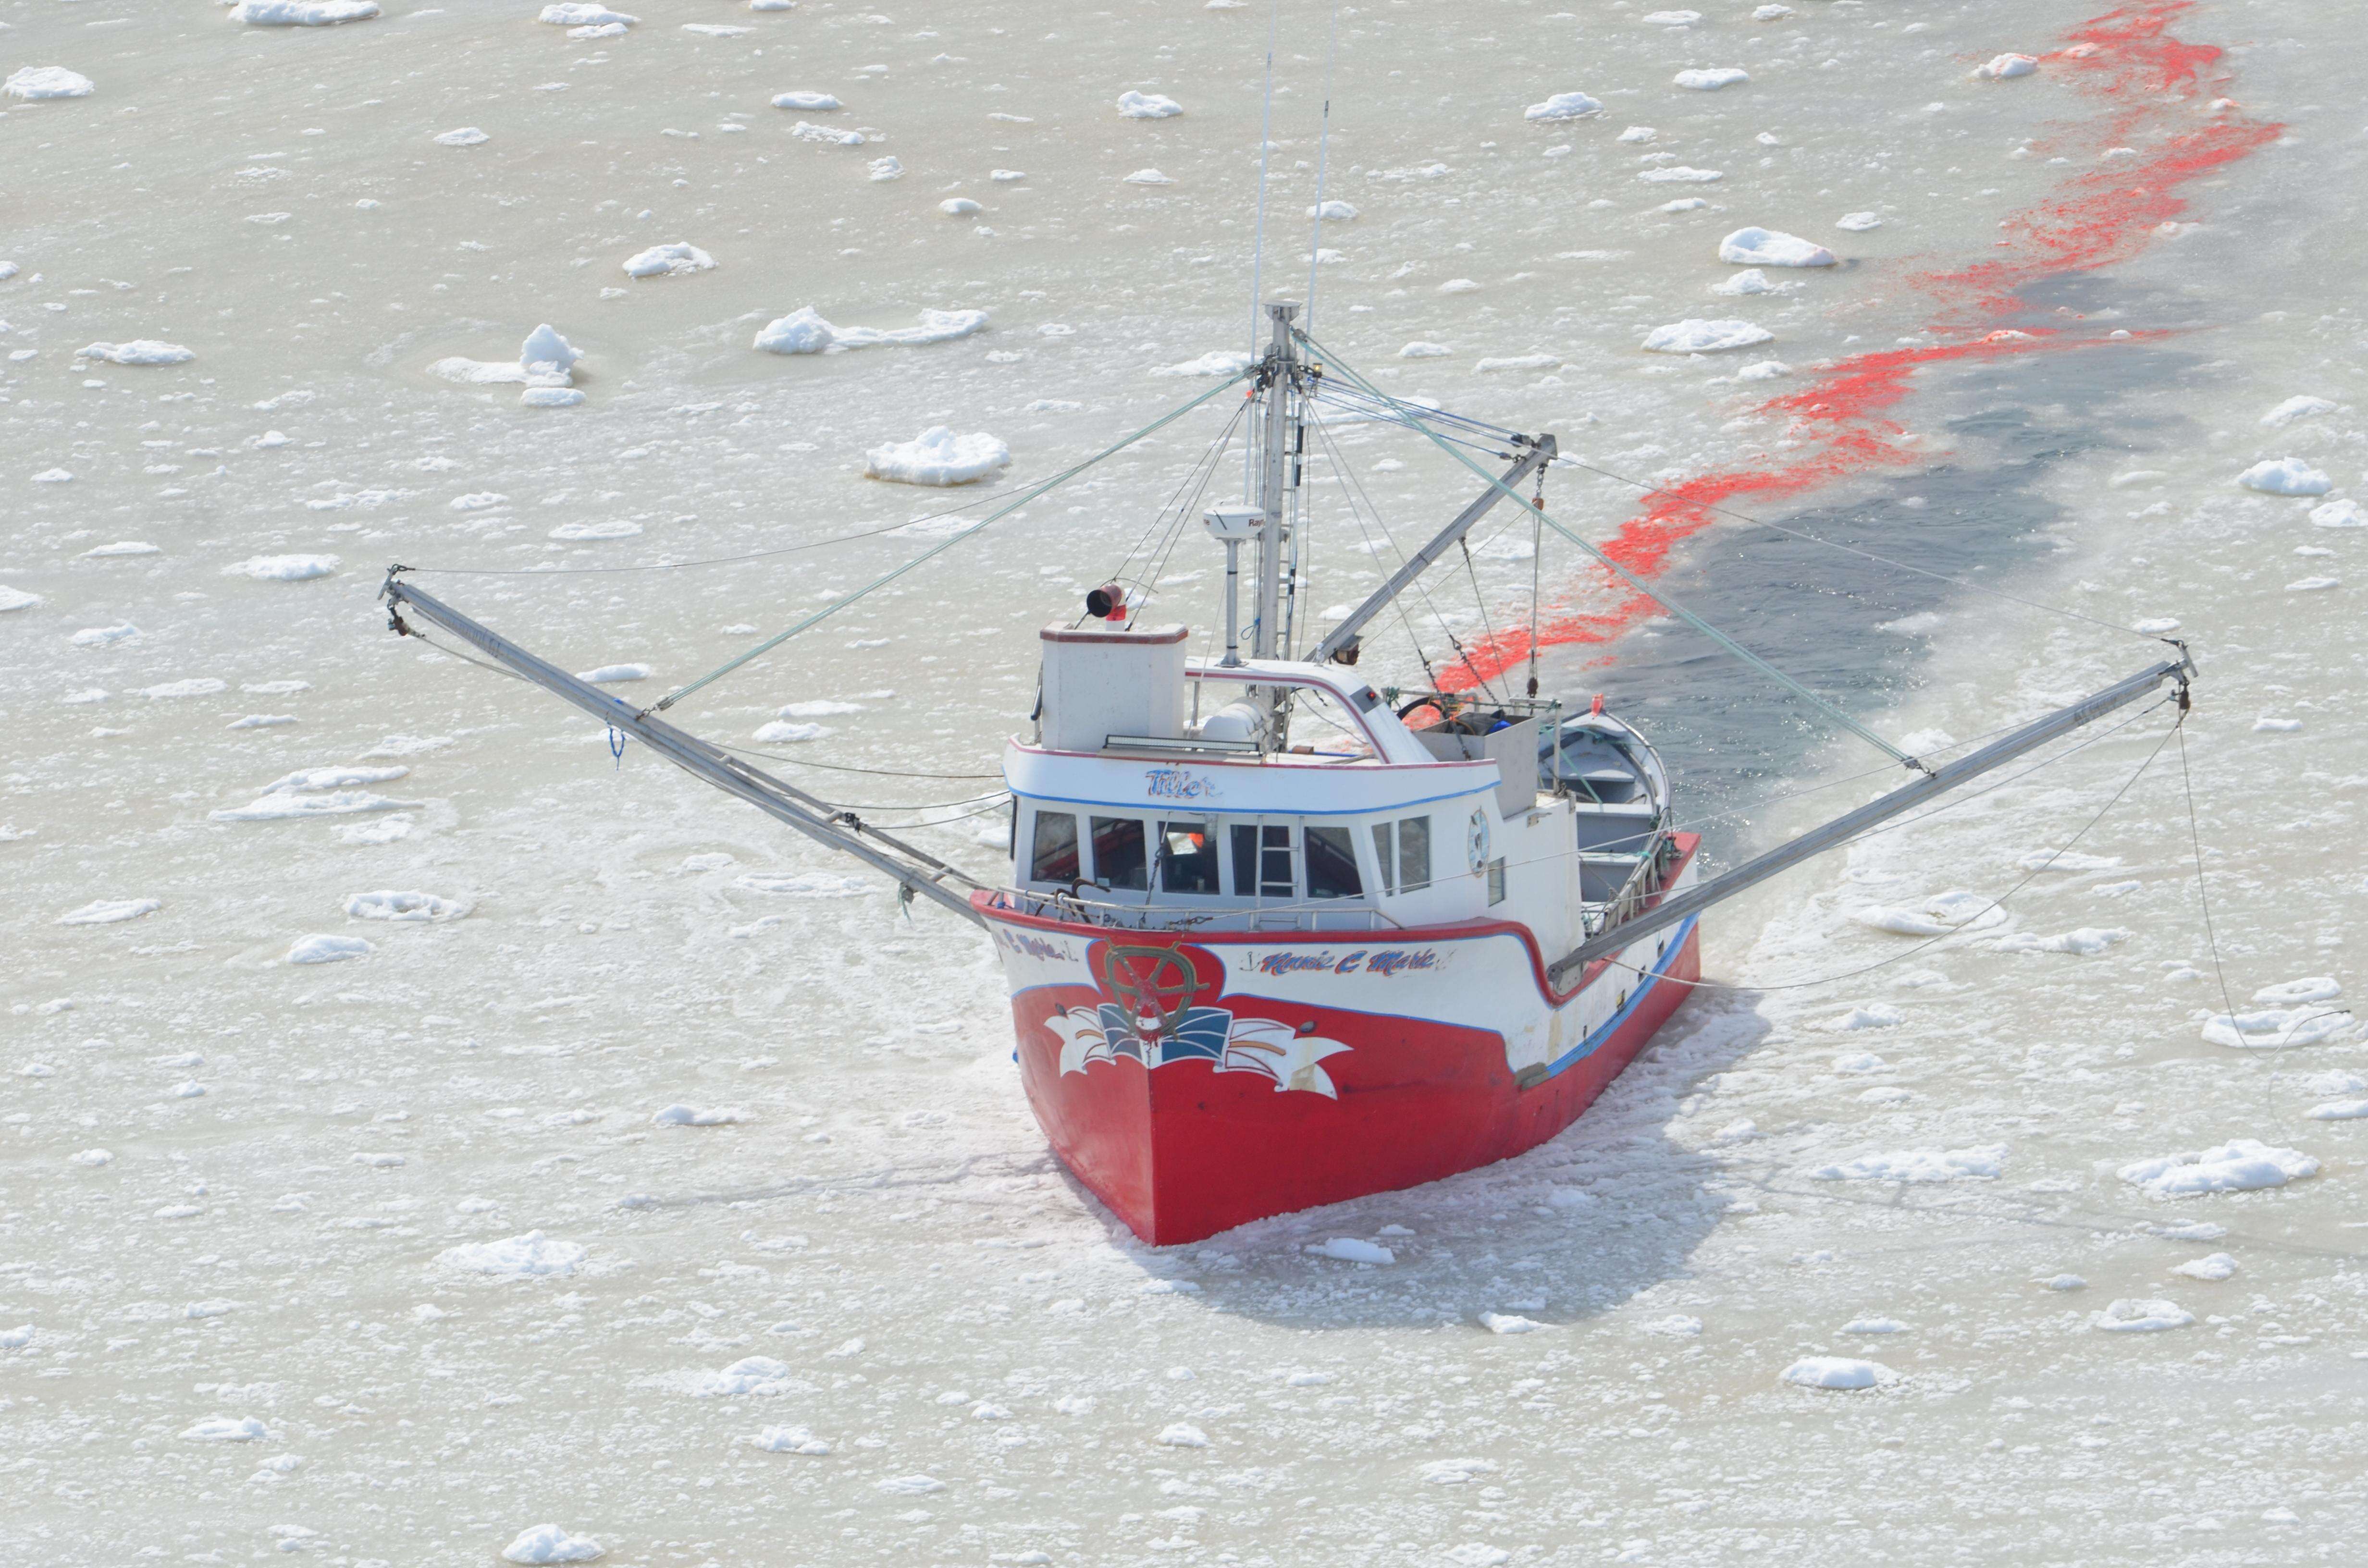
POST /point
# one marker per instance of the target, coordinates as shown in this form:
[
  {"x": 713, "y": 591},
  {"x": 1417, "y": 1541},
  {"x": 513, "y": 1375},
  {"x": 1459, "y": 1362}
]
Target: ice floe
[
  {"x": 17, "y": 599},
  {"x": 2285, "y": 476},
  {"x": 1751, "y": 280},
  {"x": 959, "y": 207},
  {"x": 1183, "y": 1435},
  {"x": 937, "y": 456},
  {"x": 1332, "y": 212},
  {"x": 1859, "y": 223},
  {"x": 138, "y": 351},
  {"x": 807, "y": 131},
  {"x": 760, "y": 1375},
  {"x": 1680, "y": 173},
  {"x": 520, "y": 1257},
  {"x": 54, "y": 476},
  {"x": 582, "y": 14},
  {"x": 1919, "y": 1166},
  {"x": 466, "y": 136},
  {"x": 2086, "y": 941},
  {"x": 1711, "y": 80},
  {"x": 2275, "y": 1028},
  {"x": 580, "y": 532},
  {"x": 1216, "y": 362},
  {"x": 1347, "y": 1249},
  {"x": 2339, "y": 514},
  {"x": 286, "y": 807},
  {"x": 111, "y": 911},
  {"x": 2141, "y": 1316},
  {"x": 1516, "y": 362},
  {"x": 1564, "y": 105},
  {"x": 1696, "y": 336},
  {"x": 227, "y": 1429},
  {"x": 1936, "y": 917},
  {"x": 810, "y": 103},
  {"x": 2292, "y": 992},
  {"x": 613, "y": 674},
  {"x": 125, "y": 547},
  {"x": 803, "y": 884},
  {"x": 886, "y": 169},
  {"x": 319, "y": 780},
  {"x": 1425, "y": 351},
  {"x": 665, "y": 260},
  {"x": 1875, "y": 1325},
  {"x": 2295, "y": 408},
  {"x": 195, "y": 686},
  {"x": 327, "y": 949},
  {"x": 1146, "y": 176},
  {"x": 302, "y": 13},
  {"x": 1772, "y": 247},
  {"x": 1671, "y": 18},
  {"x": 414, "y": 907},
  {"x": 47, "y": 82},
  {"x": 782, "y": 733},
  {"x": 1148, "y": 106},
  {"x": 549, "y": 1543},
  {"x": 283, "y": 568},
  {"x": 789, "y": 1440},
  {"x": 1836, "y": 1372},
  {"x": 690, "y": 1116},
  {"x": 2006, "y": 67},
  {"x": 2214, "y": 1267},
  {"x": 2241, "y": 1164},
  {"x": 909, "y": 1485}
]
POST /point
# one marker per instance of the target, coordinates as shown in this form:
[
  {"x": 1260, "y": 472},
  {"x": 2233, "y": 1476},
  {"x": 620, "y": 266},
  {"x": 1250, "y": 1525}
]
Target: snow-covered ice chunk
[
  {"x": 328, "y": 949},
  {"x": 2337, "y": 1110},
  {"x": 939, "y": 457},
  {"x": 611, "y": 675},
  {"x": 196, "y": 686},
  {"x": 521, "y": 1257},
  {"x": 1711, "y": 80},
  {"x": 1672, "y": 19},
  {"x": 1751, "y": 280},
  {"x": 810, "y": 103},
  {"x": 91, "y": 1159},
  {"x": 1770, "y": 247},
  {"x": 2292, "y": 992},
  {"x": 16, "y": 1339},
  {"x": 1148, "y": 106},
  {"x": 2339, "y": 514},
  {"x": 549, "y": 1543},
  {"x": 2006, "y": 67},
  {"x": 1836, "y": 1372},
  {"x": 1509, "y": 1322},
  {"x": 1772, "y": 13},
  {"x": 780, "y": 732},
  {"x": 803, "y": 884},
  {"x": 17, "y": 599},
  {"x": 551, "y": 397},
  {"x": 1146, "y": 176},
  {"x": 466, "y": 136},
  {"x": 1873, "y": 1015},
  {"x": 1425, "y": 351},
  {"x": 1859, "y": 223},
  {"x": 807, "y": 131},
  {"x": 227, "y": 1429},
  {"x": 1564, "y": 105},
  {"x": 2215, "y": 1265},
  {"x": 2066, "y": 1282},
  {"x": 1460, "y": 286},
  {"x": 477, "y": 501},
  {"x": 959, "y": 207},
  {"x": 1936, "y": 917},
  {"x": 1875, "y": 1325},
  {"x": 1637, "y": 133},
  {"x": 690, "y": 1116},
  {"x": 2302, "y": 407},
  {"x": 2241, "y": 1164},
  {"x": 1516, "y": 362},
  {"x": 582, "y": 532},
  {"x": 1697, "y": 204},
  {"x": 2141, "y": 1316},
  {"x": 665, "y": 260},
  {"x": 1184, "y": 1435},
  {"x": 417, "y": 907},
  {"x": 54, "y": 476},
  {"x": 1919, "y": 1166},
  {"x": 283, "y": 568},
  {"x": 138, "y": 351},
  {"x": 1332, "y": 212},
  {"x": 545, "y": 350},
  {"x": 1456, "y": 1471},
  {"x": 584, "y": 16},
  {"x": 1680, "y": 173},
  {"x": 1347, "y": 1249},
  {"x": 1677, "y": 1325},
  {"x": 1696, "y": 336},
  {"x": 282, "y": 806},
  {"x": 716, "y": 30},
  {"x": 2285, "y": 476},
  {"x": 125, "y": 547},
  {"x": 759, "y": 1375},
  {"x": 2276, "y": 1028},
  {"x": 789, "y": 1440},
  {"x": 1216, "y": 362},
  {"x": 2088, "y": 941},
  {"x": 803, "y": 331},
  {"x": 302, "y": 13},
  {"x": 909, "y": 1485},
  {"x": 2313, "y": 585},
  {"x": 111, "y": 911},
  {"x": 47, "y": 82}
]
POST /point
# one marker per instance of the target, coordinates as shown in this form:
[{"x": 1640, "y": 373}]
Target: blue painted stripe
[
  {"x": 1652, "y": 977},
  {"x": 1178, "y": 811}
]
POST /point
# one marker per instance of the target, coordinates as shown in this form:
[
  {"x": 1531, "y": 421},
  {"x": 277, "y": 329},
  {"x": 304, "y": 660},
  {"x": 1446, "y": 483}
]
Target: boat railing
[
  {"x": 1644, "y": 884},
  {"x": 1132, "y": 916}
]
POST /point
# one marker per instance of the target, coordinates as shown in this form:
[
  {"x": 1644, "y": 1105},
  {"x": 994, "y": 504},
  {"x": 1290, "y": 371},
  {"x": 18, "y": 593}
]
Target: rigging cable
[
  {"x": 945, "y": 544},
  {"x": 1638, "y": 584}
]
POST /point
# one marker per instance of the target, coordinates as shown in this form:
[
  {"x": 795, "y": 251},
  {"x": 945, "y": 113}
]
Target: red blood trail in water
[{"x": 2162, "y": 132}]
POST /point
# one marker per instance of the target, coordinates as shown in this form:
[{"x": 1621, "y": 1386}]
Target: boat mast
[{"x": 1278, "y": 379}]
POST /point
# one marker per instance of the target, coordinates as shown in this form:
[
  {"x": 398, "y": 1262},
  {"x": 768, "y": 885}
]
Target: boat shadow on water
[{"x": 1612, "y": 1205}]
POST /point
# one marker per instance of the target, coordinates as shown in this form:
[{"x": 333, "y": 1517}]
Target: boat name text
[{"x": 1383, "y": 962}]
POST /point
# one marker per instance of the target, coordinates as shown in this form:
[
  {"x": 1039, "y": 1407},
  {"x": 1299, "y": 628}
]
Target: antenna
[
  {"x": 1266, "y": 152},
  {"x": 1323, "y": 159}
]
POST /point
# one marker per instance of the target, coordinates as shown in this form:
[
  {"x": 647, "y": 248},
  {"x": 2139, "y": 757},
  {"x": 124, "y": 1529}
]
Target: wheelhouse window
[
  {"x": 1119, "y": 861},
  {"x": 1401, "y": 851},
  {"x": 1053, "y": 855},
  {"x": 1188, "y": 857},
  {"x": 1262, "y": 866},
  {"x": 1332, "y": 864}
]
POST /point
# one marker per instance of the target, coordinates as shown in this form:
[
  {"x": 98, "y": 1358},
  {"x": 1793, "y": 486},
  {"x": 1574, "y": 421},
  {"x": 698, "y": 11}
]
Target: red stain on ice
[{"x": 2162, "y": 127}]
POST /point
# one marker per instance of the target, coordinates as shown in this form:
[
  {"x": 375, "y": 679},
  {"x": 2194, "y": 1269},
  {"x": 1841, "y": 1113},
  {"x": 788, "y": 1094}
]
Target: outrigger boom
[{"x": 913, "y": 868}]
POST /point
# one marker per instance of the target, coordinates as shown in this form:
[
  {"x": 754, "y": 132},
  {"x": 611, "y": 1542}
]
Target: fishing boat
[{"x": 1276, "y": 936}]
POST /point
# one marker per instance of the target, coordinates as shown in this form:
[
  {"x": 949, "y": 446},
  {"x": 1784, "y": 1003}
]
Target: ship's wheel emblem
[{"x": 1155, "y": 986}]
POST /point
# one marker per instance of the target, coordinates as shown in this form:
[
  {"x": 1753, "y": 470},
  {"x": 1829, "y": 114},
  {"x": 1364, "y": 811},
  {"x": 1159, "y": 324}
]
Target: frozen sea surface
[{"x": 663, "y": 1191}]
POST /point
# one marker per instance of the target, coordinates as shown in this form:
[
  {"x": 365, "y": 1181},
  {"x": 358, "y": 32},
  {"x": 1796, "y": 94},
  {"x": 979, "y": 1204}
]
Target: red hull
[{"x": 1186, "y": 1149}]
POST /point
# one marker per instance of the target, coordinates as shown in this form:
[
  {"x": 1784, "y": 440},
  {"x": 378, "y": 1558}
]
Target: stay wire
[
  {"x": 1997, "y": 903},
  {"x": 2203, "y": 897}
]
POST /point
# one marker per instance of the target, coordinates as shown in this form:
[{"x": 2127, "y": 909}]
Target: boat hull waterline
[{"x": 1194, "y": 1082}]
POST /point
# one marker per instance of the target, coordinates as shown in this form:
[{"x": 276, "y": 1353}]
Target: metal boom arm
[
  {"x": 1541, "y": 452},
  {"x": 1671, "y": 911},
  {"x": 818, "y": 820}
]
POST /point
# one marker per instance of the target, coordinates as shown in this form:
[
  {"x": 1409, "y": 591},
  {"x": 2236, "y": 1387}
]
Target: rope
[
  {"x": 1636, "y": 583},
  {"x": 2203, "y": 897},
  {"x": 1030, "y": 494}
]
